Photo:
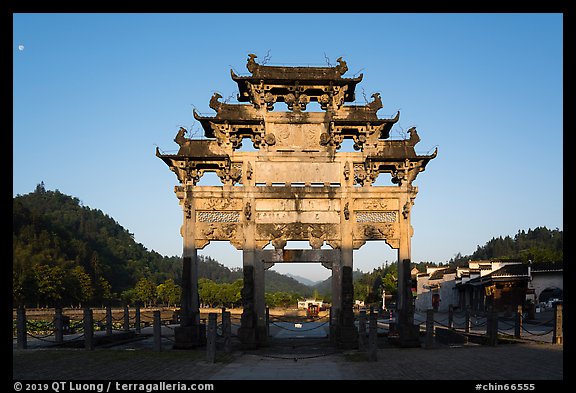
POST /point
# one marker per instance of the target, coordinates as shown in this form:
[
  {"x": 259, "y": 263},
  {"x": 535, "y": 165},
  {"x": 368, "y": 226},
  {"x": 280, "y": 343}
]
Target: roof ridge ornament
[
  {"x": 252, "y": 66},
  {"x": 342, "y": 67}
]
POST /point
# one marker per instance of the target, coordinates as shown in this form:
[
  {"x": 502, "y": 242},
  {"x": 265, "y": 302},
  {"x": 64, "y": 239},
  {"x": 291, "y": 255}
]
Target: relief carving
[
  {"x": 377, "y": 232},
  {"x": 371, "y": 216},
  {"x": 279, "y": 234},
  {"x": 217, "y": 216},
  {"x": 270, "y": 139},
  {"x": 249, "y": 171},
  {"x": 214, "y": 231},
  {"x": 406, "y": 209},
  {"x": 347, "y": 170},
  {"x": 218, "y": 203},
  {"x": 248, "y": 211},
  {"x": 346, "y": 211},
  {"x": 187, "y": 209}
]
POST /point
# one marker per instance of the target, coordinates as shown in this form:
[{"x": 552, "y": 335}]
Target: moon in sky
[{"x": 20, "y": 47}]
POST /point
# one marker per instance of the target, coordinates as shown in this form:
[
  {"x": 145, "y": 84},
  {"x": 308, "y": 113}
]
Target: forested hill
[
  {"x": 535, "y": 245},
  {"x": 74, "y": 253}
]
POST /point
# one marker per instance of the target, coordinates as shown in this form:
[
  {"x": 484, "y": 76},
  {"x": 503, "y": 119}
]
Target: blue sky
[{"x": 94, "y": 94}]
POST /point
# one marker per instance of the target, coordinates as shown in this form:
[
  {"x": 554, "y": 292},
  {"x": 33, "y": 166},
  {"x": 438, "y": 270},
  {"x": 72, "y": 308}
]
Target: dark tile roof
[
  {"x": 512, "y": 270},
  {"x": 439, "y": 274},
  {"x": 547, "y": 266}
]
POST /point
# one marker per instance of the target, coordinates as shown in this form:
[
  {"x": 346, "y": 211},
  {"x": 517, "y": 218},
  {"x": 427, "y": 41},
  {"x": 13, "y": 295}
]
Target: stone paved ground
[{"x": 530, "y": 361}]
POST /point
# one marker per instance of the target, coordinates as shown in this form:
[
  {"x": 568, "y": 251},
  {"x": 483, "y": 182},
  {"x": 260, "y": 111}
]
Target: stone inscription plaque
[{"x": 297, "y": 172}]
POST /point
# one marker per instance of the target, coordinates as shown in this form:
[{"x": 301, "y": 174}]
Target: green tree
[
  {"x": 145, "y": 292},
  {"x": 103, "y": 291},
  {"x": 168, "y": 292},
  {"x": 50, "y": 284},
  {"x": 78, "y": 286}
]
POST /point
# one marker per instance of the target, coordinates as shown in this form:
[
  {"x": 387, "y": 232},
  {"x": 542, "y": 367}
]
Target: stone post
[
  {"x": 21, "y": 333},
  {"x": 336, "y": 282},
  {"x": 247, "y": 333},
  {"x": 408, "y": 332},
  {"x": 557, "y": 337},
  {"x": 137, "y": 320},
  {"x": 227, "y": 331},
  {"x": 108, "y": 320},
  {"x": 126, "y": 319},
  {"x": 157, "y": 329},
  {"x": 58, "y": 326},
  {"x": 373, "y": 337},
  {"x": 267, "y": 321},
  {"x": 211, "y": 338},
  {"x": 450, "y": 316},
  {"x": 88, "y": 329},
  {"x": 362, "y": 330},
  {"x": 330, "y": 326},
  {"x": 429, "y": 342},
  {"x": 492, "y": 326},
  {"x": 518, "y": 322},
  {"x": 467, "y": 320},
  {"x": 191, "y": 333}
]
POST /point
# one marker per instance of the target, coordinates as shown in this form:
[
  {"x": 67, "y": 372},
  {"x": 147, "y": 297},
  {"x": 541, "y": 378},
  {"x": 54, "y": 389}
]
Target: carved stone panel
[
  {"x": 279, "y": 234},
  {"x": 297, "y": 172},
  {"x": 376, "y": 231},
  {"x": 378, "y": 204},
  {"x": 309, "y": 204},
  {"x": 375, "y": 216},
  {"x": 217, "y": 216},
  {"x": 218, "y": 203},
  {"x": 271, "y": 217}
]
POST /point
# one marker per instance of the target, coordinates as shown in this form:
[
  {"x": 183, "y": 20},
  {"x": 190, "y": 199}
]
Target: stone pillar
[
  {"x": 58, "y": 326},
  {"x": 557, "y": 336},
  {"x": 252, "y": 332},
  {"x": 362, "y": 330},
  {"x": 408, "y": 333},
  {"x": 88, "y": 329},
  {"x": 21, "y": 333},
  {"x": 247, "y": 333},
  {"x": 227, "y": 331},
  {"x": 373, "y": 336},
  {"x": 260, "y": 303},
  {"x": 450, "y": 316},
  {"x": 108, "y": 320},
  {"x": 429, "y": 341},
  {"x": 336, "y": 279},
  {"x": 492, "y": 326},
  {"x": 518, "y": 322},
  {"x": 157, "y": 331},
  {"x": 126, "y": 319},
  {"x": 267, "y": 322},
  {"x": 348, "y": 333},
  {"x": 137, "y": 326},
  {"x": 467, "y": 320},
  {"x": 191, "y": 333},
  {"x": 211, "y": 338}
]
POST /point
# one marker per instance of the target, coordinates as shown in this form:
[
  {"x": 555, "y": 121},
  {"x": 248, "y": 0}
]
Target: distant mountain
[
  {"x": 324, "y": 288},
  {"x": 302, "y": 280}
]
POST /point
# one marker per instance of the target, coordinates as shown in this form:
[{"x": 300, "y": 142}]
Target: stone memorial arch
[{"x": 296, "y": 185}]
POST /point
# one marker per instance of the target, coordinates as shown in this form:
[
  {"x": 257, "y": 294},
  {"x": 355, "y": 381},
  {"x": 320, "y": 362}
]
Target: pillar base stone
[
  {"x": 189, "y": 337},
  {"x": 409, "y": 336}
]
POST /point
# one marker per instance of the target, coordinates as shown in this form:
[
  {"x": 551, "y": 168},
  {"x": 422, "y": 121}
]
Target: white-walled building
[{"x": 502, "y": 283}]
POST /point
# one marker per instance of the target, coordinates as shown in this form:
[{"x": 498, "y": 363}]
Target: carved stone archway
[{"x": 295, "y": 186}]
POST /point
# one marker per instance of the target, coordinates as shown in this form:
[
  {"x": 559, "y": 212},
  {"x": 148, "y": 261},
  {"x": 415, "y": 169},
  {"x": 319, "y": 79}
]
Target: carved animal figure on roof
[
  {"x": 214, "y": 103},
  {"x": 376, "y": 102},
  {"x": 180, "y": 139}
]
